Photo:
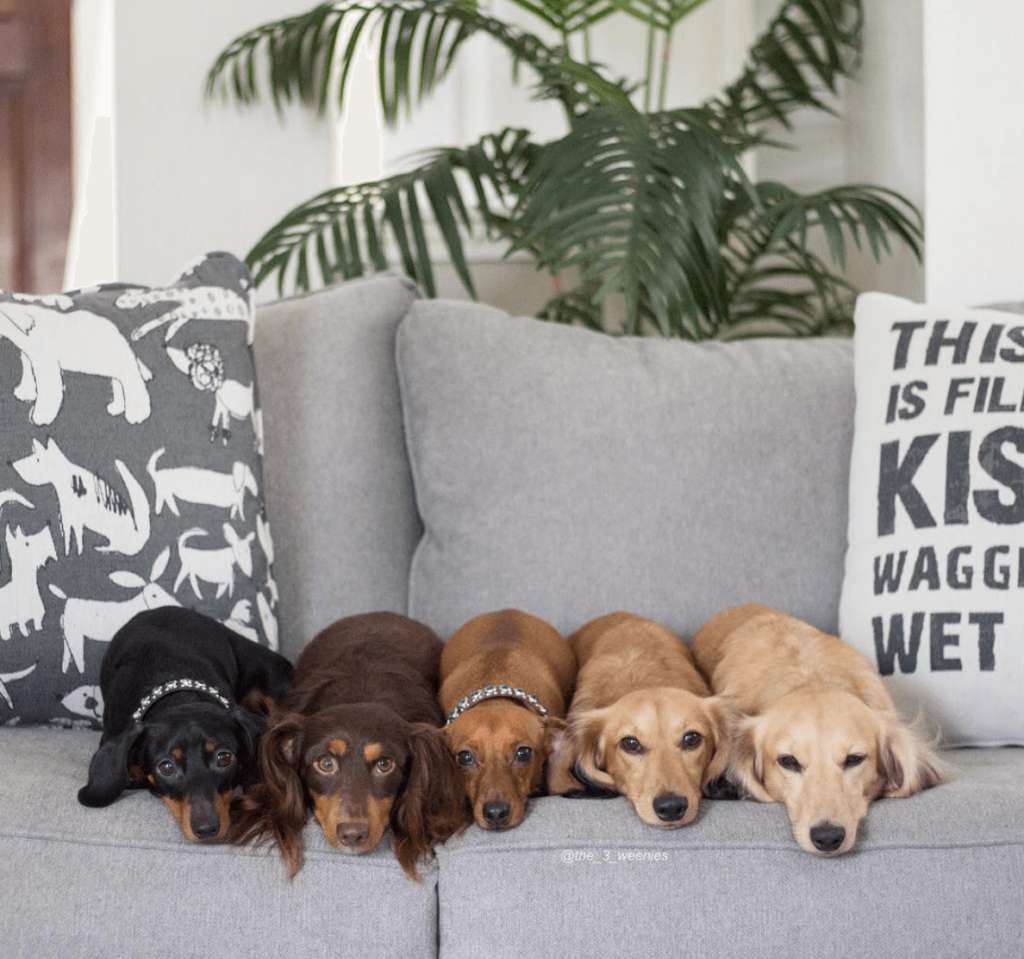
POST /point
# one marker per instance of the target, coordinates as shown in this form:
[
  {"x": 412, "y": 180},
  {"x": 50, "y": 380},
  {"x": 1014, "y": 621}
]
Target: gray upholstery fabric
[
  {"x": 933, "y": 876},
  {"x": 121, "y": 882},
  {"x": 336, "y": 468},
  {"x": 571, "y": 473}
]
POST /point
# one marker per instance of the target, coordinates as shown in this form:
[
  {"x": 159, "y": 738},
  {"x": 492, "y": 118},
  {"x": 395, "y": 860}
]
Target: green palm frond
[
  {"x": 633, "y": 200},
  {"x": 805, "y": 50},
  {"x": 416, "y": 43},
  {"x": 660, "y": 14},
  {"x": 569, "y": 16},
  {"x": 342, "y": 232},
  {"x": 576, "y": 307},
  {"x": 775, "y": 273}
]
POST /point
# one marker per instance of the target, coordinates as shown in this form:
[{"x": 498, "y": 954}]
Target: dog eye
[
  {"x": 384, "y": 765},
  {"x": 631, "y": 744},
  {"x": 691, "y": 740},
  {"x": 791, "y": 763},
  {"x": 224, "y": 758},
  {"x": 328, "y": 765},
  {"x": 465, "y": 758},
  {"x": 853, "y": 760},
  {"x": 166, "y": 767},
  {"x": 523, "y": 754}
]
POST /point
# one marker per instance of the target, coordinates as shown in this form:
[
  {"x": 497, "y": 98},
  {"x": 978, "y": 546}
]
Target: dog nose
[
  {"x": 353, "y": 833},
  {"x": 827, "y": 836},
  {"x": 497, "y": 812},
  {"x": 204, "y": 826},
  {"x": 669, "y": 807}
]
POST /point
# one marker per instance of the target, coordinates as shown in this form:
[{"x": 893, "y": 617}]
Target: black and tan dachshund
[
  {"x": 359, "y": 744},
  {"x": 182, "y": 696}
]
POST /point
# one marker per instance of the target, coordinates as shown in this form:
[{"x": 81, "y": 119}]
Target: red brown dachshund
[{"x": 359, "y": 744}]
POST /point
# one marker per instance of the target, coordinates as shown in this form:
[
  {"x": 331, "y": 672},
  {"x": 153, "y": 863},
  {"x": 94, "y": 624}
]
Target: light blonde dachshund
[
  {"x": 506, "y": 678},
  {"x": 819, "y": 732},
  {"x": 641, "y": 723}
]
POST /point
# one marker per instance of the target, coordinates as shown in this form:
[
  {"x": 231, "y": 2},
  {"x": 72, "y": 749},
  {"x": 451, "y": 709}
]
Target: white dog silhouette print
[
  {"x": 88, "y": 501},
  {"x": 85, "y": 701},
  {"x": 99, "y": 619},
  {"x": 202, "y": 486},
  {"x": 203, "y": 364},
  {"x": 240, "y": 620},
  {"x": 20, "y": 602},
  {"x": 195, "y": 303},
  {"x": 56, "y": 341},
  {"x": 6, "y": 678},
  {"x": 215, "y": 566}
]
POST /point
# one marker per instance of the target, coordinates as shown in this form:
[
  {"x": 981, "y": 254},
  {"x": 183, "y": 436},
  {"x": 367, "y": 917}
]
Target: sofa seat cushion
[
  {"x": 121, "y": 882},
  {"x": 935, "y": 875}
]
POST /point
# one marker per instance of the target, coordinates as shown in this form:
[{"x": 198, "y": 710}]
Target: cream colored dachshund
[
  {"x": 819, "y": 733},
  {"x": 641, "y": 722}
]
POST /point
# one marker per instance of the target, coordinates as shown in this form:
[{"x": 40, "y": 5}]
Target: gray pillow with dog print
[{"x": 130, "y": 477}]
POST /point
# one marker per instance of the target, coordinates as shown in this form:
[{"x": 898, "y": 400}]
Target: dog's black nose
[
  {"x": 827, "y": 836},
  {"x": 497, "y": 812},
  {"x": 205, "y": 828},
  {"x": 669, "y": 807},
  {"x": 353, "y": 834}
]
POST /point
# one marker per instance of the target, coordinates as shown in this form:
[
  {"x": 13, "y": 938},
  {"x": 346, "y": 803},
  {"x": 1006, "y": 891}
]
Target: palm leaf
[
  {"x": 805, "y": 50},
  {"x": 774, "y": 273},
  {"x": 633, "y": 202},
  {"x": 660, "y": 14},
  {"x": 346, "y": 231},
  {"x": 416, "y": 44}
]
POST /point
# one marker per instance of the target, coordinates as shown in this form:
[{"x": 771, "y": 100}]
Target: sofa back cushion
[
  {"x": 336, "y": 468},
  {"x": 571, "y": 473}
]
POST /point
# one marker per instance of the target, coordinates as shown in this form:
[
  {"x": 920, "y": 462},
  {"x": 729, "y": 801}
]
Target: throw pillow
[
  {"x": 571, "y": 473},
  {"x": 130, "y": 477},
  {"x": 934, "y": 585}
]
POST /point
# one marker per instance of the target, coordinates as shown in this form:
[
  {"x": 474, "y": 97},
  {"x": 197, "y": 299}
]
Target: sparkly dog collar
[
  {"x": 501, "y": 691},
  {"x": 177, "y": 686}
]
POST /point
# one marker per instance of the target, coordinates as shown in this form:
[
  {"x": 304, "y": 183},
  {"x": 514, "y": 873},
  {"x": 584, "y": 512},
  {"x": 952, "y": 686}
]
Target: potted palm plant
[{"x": 645, "y": 203}]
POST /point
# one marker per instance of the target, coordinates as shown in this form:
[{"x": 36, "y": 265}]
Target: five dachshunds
[
  {"x": 366, "y": 741},
  {"x": 176, "y": 686},
  {"x": 359, "y": 743}
]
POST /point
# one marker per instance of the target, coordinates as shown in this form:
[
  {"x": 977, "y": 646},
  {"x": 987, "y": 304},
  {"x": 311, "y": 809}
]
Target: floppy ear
[
  {"x": 275, "y": 808},
  {"x": 724, "y": 717},
  {"x": 587, "y": 733},
  {"x": 907, "y": 763},
  {"x": 250, "y": 726},
  {"x": 746, "y": 764},
  {"x": 108, "y": 769},
  {"x": 433, "y": 804}
]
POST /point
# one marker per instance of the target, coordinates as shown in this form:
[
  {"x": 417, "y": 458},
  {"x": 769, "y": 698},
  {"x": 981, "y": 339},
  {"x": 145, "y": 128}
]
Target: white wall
[
  {"x": 974, "y": 149},
  {"x": 190, "y": 176}
]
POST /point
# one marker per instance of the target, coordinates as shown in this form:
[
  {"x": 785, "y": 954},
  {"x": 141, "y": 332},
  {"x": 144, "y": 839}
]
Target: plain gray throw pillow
[{"x": 571, "y": 473}]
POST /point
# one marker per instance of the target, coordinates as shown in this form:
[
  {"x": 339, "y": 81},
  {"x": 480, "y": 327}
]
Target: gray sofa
[{"x": 938, "y": 875}]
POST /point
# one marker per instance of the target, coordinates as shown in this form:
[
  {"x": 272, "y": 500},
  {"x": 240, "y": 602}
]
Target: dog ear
[
  {"x": 587, "y": 733},
  {"x": 433, "y": 805},
  {"x": 108, "y": 769},
  {"x": 724, "y": 717},
  {"x": 250, "y": 728},
  {"x": 276, "y": 807},
  {"x": 906, "y": 761},
  {"x": 746, "y": 764}
]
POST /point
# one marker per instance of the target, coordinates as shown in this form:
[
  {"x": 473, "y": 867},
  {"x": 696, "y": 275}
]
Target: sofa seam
[
  {"x": 414, "y": 465},
  {"x": 718, "y": 847},
  {"x": 182, "y": 849}
]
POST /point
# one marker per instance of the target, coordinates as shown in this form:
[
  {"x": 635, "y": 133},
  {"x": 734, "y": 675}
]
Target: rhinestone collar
[
  {"x": 177, "y": 686},
  {"x": 496, "y": 691}
]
